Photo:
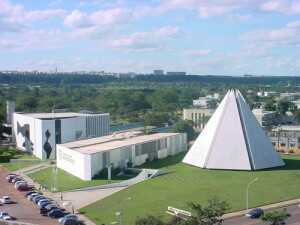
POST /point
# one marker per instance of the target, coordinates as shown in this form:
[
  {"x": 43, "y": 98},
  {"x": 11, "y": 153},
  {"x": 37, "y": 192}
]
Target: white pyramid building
[{"x": 233, "y": 139}]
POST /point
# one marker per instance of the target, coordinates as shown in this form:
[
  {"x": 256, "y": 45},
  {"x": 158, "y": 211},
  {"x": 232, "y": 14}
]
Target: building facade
[
  {"x": 199, "y": 116},
  {"x": 87, "y": 158},
  {"x": 286, "y": 138},
  {"x": 266, "y": 118},
  {"x": 38, "y": 133}
]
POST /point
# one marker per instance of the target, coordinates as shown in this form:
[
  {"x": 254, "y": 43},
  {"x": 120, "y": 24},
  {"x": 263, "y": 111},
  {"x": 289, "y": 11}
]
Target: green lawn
[
  {"x": 66, "y": 181},
  {"x": 13, "y": 166},
  {"x": 185, "y": 183}
]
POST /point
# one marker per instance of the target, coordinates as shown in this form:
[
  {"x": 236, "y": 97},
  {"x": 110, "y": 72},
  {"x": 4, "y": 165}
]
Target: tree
[
  {"x": 283, "y": 106},
  {"x": 149, "y": 220},
  {"x": 184, "y": 126},
  {"x": 276, "y": 217},
  {"x": 211, "y": 214},
  {"x": 270, "y": 105},
  {"x": 156, "y": 118}
]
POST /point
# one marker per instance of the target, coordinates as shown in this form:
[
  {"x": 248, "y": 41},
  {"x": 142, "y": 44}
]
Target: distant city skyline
[{"x": 229, "y": 37}]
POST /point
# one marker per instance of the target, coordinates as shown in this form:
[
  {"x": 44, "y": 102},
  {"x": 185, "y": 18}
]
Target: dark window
[{"x": 57, "y": 131}]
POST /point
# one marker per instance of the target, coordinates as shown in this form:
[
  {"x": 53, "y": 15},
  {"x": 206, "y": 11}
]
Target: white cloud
[
  {"x": 14, "y": 17},
  {"x": 146, "y": 41},
  {"x": 287, "y": 35},
  {"x": 78, "y": 19},
  {"x": 281, "y": 6},
  {"x": 44, "y": 14}
]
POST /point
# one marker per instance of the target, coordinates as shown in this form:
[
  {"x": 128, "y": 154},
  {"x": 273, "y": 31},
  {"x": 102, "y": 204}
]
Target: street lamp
[
  {"x": 247, "y": 192},
  {"x": 119, "y": 214}
]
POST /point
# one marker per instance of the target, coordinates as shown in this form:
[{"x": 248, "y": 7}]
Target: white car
[
  {"x": 5, "y": 216},
  {"x": 5, "y": 200}
]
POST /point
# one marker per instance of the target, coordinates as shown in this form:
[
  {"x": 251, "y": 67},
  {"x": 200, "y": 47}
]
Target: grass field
[
  {"x": 66, "y": 181},
  {"x": 13, "y": 166},
  {"x": 185, "y": 183}
]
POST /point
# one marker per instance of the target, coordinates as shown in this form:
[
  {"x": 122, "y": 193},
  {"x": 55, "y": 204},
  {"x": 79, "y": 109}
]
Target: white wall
[
  {"x": 20, "y": 139},
  {"x": 74, "y": 162}
]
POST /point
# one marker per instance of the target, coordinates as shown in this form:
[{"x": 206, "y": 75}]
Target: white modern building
[
  {"x": 86, "y": 158},
  {"x": 38, "y": 133},
  {"x": 199, "y": 116},
  {"x": 233, "y": 139}
]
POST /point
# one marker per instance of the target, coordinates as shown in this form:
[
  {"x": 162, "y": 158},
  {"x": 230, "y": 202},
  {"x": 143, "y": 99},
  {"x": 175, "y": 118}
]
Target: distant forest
[
  {"x": 63, "y": 78},
  {"x": 152, "y": 99}
]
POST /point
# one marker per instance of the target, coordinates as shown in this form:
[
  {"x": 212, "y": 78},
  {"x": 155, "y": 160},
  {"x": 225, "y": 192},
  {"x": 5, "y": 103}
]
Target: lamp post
[
  {"x": 119, "y": 214},
  {"x": 247, "y": 192}
]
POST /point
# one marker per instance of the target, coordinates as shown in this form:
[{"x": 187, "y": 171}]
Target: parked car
[
  {"x": 71, "y": 221},
  {"x": 255, "y": 213},
  {"x": 5, "y": 216},
  {"x": 31, "y": 193},
  {"x": 18, "y": 183},
  {"x": 68, "y": 216},
  {"x": 45, "y": 199},
  {"x": 17, "y": 178},
  {"x": 47, "y": 209},
  {"x": 37, "y": 198},
  {"x": 10, "y": 176},
  {"x": 6, "y": 200},
  {"x": 56, "y": 213},
  {"x": 30, "y": 197},
  {"x": 43, "y": 204},
  {"x": 25, "y": 187}
]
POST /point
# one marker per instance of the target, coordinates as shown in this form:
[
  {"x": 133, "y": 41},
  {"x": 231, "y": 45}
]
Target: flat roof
[
  {"x": 58, "y": 115},
  {"x": 109, "y": 142}
]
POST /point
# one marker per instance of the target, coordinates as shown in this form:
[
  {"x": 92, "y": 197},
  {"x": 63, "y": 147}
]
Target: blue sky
[{"x": 230, "y": 37}]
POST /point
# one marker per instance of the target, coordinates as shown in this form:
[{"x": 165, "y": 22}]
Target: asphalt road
[
  {"x": 23, "y": 210},
  {"x": 294, "y": 210}
]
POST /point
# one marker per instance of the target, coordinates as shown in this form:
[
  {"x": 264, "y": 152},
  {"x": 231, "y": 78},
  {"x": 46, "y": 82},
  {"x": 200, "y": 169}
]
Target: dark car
[
  {"x": 48, "y": 208},
  {"x": 36, "y": 199},
  {"x": 24, "y": 187},
  {"x": 255, "y": 213},
  {"x": 56, "y": 213},
  {"x": 44, "y": 204},
  {"x": 30, "y": 193},
  {"x": 71, "y": 221}
]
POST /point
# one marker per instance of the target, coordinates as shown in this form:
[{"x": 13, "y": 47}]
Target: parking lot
[{"x": 23, "y": 210}]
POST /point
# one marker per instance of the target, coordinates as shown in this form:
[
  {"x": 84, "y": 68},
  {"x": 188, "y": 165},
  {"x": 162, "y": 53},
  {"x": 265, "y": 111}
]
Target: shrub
[{"x": 291, "y": 151}]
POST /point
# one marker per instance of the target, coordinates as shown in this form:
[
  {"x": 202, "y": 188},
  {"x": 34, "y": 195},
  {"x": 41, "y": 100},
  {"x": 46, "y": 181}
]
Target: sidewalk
[{"x": 265, "y": 207}]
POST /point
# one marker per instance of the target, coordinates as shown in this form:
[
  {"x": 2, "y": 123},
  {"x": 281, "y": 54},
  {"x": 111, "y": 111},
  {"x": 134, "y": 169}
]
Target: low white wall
[{"x": 74, "y": 162}]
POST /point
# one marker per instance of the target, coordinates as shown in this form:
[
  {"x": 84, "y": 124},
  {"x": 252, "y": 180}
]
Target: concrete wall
[{"x": 73, "y": 162}]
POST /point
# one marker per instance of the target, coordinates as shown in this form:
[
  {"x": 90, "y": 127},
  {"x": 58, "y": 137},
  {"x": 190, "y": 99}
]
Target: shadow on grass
[
  {"x": 290, "y": 164},
  {"x": 161, "y": 163}
]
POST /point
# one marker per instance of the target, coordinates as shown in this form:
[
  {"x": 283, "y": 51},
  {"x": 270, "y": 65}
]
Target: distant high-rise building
[
  {"x": 176, "y": 73},
  {"x": 158, "y": 72}
]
